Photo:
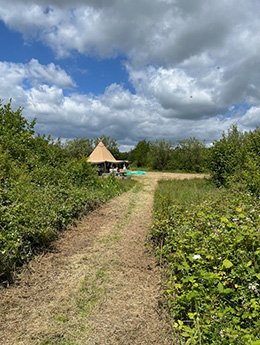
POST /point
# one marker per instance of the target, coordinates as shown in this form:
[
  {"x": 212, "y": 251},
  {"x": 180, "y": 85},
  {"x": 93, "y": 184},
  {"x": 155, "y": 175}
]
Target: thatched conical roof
[{"x": 101, "y": 155}]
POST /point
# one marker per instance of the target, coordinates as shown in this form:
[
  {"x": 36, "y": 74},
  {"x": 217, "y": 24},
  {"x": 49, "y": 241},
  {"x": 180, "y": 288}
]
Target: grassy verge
[{"x": 209, "y": 242}]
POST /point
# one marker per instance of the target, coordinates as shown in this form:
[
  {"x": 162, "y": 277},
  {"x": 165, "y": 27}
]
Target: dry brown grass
[{"x": 99, "y": 284}]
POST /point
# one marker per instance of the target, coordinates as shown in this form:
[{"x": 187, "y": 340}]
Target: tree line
[
  {"x": 234, "y": 157},
  {"x": 187, "y": 155}
]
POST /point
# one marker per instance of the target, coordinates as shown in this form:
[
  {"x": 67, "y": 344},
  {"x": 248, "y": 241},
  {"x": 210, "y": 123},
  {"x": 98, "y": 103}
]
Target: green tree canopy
[
  {"x": 191, "y": 155},
  {"x": 139, "y": 155},
  {"x": 79, "y": 147}
]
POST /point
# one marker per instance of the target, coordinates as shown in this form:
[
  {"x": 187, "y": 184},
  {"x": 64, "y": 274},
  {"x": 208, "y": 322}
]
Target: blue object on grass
[{"x": 128, "y": 173}]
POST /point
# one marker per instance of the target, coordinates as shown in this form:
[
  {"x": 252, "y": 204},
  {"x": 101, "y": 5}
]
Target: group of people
[{"x": 114, "y": 169}]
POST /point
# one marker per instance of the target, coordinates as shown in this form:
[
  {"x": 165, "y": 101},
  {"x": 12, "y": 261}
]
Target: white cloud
[
  {"x": 182, "y": 96},
  {"x": 251, "y": 119},
  {"x": 190, "y": 62},
  {"x": 48, "y": 74},
  {"x": 16, "y": 74},
  {"x": 118, "y": 113}
]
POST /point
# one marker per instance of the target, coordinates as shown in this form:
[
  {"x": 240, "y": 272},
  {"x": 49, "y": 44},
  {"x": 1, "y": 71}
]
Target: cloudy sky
[{"x": 132, "y": 69}]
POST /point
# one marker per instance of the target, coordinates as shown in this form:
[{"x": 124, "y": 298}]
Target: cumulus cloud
[
  {"x": 181, "y": 95},
  {"x": 118, "y": 113},
  {"x": 190, "y": 63},
  {"x": 166, "y": 32},
  {"x": 251, "y": 118},
  {"x": 35, "y": 73}
]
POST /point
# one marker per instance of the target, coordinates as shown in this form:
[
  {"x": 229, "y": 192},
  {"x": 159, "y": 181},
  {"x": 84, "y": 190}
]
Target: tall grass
[{"x": 182, "y": 192}]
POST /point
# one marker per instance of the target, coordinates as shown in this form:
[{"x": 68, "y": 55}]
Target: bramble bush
[
  {"x": 42, "y": 190},
  {"x": 235, "y": 160},
  {"x": 209, "y": 242}
]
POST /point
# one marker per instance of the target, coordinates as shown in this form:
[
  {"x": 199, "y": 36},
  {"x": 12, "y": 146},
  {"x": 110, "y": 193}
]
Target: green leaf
[
  {"x": 227, "y": 263},
  {"x": 239, "y": 238},
  {"x": 224, "y": 220},
  {"x": 220, "y": 287}
]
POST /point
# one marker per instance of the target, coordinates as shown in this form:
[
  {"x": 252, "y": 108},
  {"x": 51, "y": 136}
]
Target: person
[{"x": 99, "y": 171}]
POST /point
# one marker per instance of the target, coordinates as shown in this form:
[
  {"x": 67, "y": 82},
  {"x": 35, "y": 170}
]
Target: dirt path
[{"x": 99, "y": 285}]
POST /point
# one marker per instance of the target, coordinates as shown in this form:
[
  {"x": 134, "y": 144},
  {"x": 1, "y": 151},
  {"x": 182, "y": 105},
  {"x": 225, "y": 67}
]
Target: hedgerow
[
  {"x": 210, "y": 247},
  {"x": 42, "y": 190}
]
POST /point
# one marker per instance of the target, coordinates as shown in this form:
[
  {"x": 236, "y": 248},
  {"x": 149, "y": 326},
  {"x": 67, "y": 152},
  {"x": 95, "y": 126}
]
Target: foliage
[
  {"x": 190, "y": 155},
  {"x": 160, "y": 153},
  {"x": 210, "y": 244},
  {"x": 226, "y": 155},
  {"x": 79, "y": 147},
  {"x": 139, "y": 155},
  {"x": 42, "y": 190},
  {"x": 234, "y": 160},
  {"x": 187, "y": 155}
]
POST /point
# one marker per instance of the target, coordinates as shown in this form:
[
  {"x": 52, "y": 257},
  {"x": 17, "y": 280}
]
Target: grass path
[{"x": 98, "y": 285}]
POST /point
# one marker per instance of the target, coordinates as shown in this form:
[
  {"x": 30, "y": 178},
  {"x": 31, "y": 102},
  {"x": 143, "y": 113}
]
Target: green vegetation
[
  {"x": 207, "y": 237},
  {"x": 43, "y": 188},
  {"x": 209, "y": 240},
  {"x": 187, "y": 155},
  {"x": 235, "y": 160}
]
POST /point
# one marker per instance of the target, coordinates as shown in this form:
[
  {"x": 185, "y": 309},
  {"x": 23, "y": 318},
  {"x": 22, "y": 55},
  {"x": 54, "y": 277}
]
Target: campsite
[
  {"x": 157, "y": 257},
  {"x": 129, "y": 172}
]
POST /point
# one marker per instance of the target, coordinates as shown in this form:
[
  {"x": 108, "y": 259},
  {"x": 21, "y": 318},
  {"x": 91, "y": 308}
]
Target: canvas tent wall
[
  {"x": 101, "y": 155},
  {"x": 103, "y": 158}
]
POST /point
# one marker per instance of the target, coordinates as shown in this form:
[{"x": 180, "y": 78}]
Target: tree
[
  {"x": 191, "y": 155},
  {"x": 16, "y": 133},
  {"x": 79, "y": 147},
  {"x": 160, "y": 154},
  {"x": 139, "y": 155},
  {"x": 227, "y": 155}
]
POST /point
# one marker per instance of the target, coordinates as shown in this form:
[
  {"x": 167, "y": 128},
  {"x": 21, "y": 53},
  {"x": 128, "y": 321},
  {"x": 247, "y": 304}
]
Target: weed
[{"x": 208, "y": 240}]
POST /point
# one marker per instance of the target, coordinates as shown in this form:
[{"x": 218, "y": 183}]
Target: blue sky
[
  {"x": 132, "y": 69},
  {"x": 92, "y": 75}
]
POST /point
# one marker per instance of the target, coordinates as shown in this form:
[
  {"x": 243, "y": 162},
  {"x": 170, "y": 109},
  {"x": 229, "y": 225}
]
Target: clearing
[{"x": 98, "y": 285}]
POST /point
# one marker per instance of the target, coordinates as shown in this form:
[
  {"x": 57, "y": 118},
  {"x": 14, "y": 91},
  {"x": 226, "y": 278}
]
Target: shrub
[
  {"x": 211, "y": 250},
  {"x": 42, "y": 190}
]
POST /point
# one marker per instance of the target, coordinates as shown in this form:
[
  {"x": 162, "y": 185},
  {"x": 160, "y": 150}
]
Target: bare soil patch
[{"x": 98, "y": 285}]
